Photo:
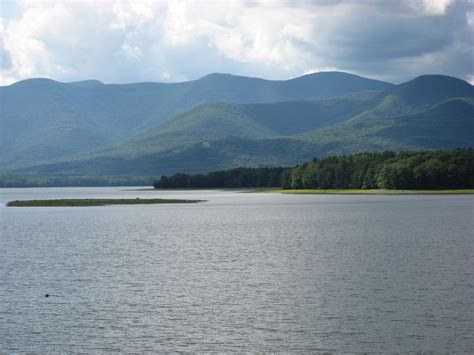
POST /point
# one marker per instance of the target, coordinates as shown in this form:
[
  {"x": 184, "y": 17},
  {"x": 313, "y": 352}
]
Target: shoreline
[{"x": 371, "y": 192}]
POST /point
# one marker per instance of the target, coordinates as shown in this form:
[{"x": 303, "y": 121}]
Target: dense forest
[
  {"x": 452, "y": 169},
  {"x": 432, "y": 170},
  {"x": 239, "y": 177}
]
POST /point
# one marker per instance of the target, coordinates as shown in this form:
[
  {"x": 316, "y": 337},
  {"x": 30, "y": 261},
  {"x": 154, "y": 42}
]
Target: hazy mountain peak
[
  {"x": 35, "y": 82},
  {"x": 329, "y": 73},
  {"x": 428, "y": 89},
  {"x": 437, "y": 80},
  {"x": 225, "y": 77}
]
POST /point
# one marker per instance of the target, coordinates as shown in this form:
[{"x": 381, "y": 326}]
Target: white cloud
[
  {"x": 435, "y": 7},
  {"x": 132, "y": 52},
  {"x": 129, "y": 40}
]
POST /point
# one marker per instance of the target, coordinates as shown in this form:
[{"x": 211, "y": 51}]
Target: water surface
[{"x": 241, "y": 272}]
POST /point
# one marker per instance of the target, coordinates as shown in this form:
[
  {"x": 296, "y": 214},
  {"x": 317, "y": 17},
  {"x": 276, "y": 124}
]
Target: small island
[{"x": 94, "y": 202}]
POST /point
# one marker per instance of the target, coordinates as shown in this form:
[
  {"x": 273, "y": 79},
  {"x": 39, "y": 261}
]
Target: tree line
[
  {"x": 239, "y": 177},
  {"x": 410, "y": 170},
  {"x": 453, "y": 169}
]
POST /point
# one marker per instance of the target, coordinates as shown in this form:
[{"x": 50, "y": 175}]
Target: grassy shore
[
  {"x": 373, "y": 192},
  {"x": 93, "y": 202}
]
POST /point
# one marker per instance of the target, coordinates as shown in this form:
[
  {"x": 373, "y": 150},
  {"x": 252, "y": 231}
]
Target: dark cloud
[{"x": 393, "y": 40}]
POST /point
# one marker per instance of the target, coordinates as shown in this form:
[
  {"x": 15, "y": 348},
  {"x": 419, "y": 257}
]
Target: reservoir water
[{"x": 240, "y": 272}]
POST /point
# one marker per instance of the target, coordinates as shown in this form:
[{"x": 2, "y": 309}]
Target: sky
[{"x": 178, "y": 40}]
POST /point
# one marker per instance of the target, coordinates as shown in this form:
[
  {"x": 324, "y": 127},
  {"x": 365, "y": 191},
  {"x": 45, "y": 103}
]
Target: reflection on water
[{"x": 241, "y": 272}]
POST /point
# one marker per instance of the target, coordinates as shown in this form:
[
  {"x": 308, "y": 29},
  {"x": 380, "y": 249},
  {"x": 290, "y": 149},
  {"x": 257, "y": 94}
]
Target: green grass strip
[{"x": 372, "y": 192}]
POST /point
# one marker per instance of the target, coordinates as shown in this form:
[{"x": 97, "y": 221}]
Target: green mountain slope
[
  {"x": 221, "y": 136},
  {"x": 418, "y": 95},
  {"x": 289, "y": 118},
  {"x": 198, "y": 157},
  {"x": 449, "y": 124},
  {"x": 248, "y": 121},
  {"x": 44, "y": 119},
  {"x": 431, "y": 111},
  {"x": 217, "y": 126},
  {"x": 205, "y": 122}
]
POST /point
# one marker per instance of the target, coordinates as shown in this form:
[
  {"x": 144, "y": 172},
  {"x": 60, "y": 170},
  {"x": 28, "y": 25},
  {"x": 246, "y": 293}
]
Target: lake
[{"x": 240, "y": 272}]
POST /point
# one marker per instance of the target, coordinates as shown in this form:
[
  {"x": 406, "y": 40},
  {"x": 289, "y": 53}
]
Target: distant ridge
[
  {"x": 43, "y": 119},
  {"x": 428, "y": 89},
  {"x": 34, "y": 83},
  {"x": 225, "y": 77},
  {"x": 428, "y": 112}
]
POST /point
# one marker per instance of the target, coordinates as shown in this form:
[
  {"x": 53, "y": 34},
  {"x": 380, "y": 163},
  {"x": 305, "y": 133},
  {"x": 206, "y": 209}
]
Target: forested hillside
[
  {"x": 428, "y": 112},
  {"x": 43, "y": 119}
]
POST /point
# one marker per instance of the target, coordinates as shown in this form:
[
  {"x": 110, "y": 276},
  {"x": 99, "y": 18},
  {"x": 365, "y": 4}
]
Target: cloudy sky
[{"x": 176, "y": 40}]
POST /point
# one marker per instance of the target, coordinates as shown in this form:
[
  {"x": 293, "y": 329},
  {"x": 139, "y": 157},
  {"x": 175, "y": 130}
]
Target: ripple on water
[{"x": 242, "y": 272}]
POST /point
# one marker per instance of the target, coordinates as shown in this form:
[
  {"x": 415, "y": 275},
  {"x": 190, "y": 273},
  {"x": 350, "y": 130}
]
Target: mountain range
[{"x": 222, "y": 121}]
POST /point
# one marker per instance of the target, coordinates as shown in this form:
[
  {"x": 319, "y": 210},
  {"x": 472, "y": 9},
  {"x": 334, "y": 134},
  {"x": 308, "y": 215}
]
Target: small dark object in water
[{"x": 46, "y": 295}]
